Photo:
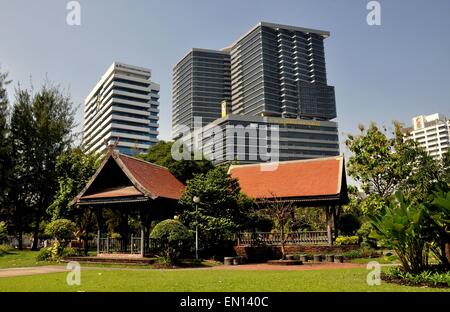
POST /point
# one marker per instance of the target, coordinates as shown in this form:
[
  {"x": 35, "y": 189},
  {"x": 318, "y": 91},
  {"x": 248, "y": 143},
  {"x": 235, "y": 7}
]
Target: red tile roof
[
  {"x": 155, "y": 179},
  {"x": 148, "y": 180},
  {"x": 291, "y": 179}
]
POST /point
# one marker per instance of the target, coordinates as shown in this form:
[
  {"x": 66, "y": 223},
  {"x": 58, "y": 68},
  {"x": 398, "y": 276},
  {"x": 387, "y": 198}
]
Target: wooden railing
[
  {"x": 117, "y": 245},
  {"x": 271, "y": 239}
]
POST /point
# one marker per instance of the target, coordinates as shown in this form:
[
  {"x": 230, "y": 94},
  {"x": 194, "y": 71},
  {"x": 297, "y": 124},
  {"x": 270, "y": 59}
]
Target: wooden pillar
[
  {"x": 335, "y": 229},
  {"x": 328, "y": 217},
  {"x": 98, "y": 229},
  {"x": 142, "y": 239},
  {"x": 143, "y": 218}
]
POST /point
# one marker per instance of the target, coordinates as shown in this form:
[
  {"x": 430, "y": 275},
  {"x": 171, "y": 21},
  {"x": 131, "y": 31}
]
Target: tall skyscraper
[
  {"x": 278, "y": 78},
  {"x": 431, "y": 132},
  {"x": 122, "y": 108},
  {"x": 279, "y": 70},
  {"x": 201, "y": 80}
]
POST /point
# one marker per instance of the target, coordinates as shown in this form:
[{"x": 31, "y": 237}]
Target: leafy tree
[
  {"x": 438, "y": 207},
  {"x": 348, "y": 223},
  {"x": 172, "y": 238},
  {"x": 74, "y": 168},
  {"x": 308, "y": 219},
  {"x": 182, "y": 169},
  {"x": 61, "y": 229},
  {"x": 41, "y": 126},
  {"x": 281, "y": 213},
  {"x": 402, "y": 226},
  {"x": 22, "y": 182},
  {"x": 220, "y": 212},
  {"x": 384, "y": 164},
  {"x": 374, "y": 162}
]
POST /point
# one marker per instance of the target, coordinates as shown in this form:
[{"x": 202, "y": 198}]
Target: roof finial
[{"x": 110, "y": 148}]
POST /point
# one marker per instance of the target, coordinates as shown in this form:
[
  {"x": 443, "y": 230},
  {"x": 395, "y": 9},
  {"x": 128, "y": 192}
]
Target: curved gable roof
[
  {"x": 310, "y": 178},
  {"x": 147, "y": 179}
]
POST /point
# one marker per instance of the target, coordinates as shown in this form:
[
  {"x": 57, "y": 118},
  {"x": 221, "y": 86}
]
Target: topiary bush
[
  {"x": 62, "y": 230},
  {"x": 172, "y": 238}
]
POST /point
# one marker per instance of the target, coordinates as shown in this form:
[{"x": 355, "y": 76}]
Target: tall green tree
[
  {"x": 374, "y": 162},
  {"x": 41, "y": 128},
  {"x": 5, "y": 144},
  {"x": 182, "y": 169},
  {"x": 383, "y": 163},
  {"x": 221, "y": 210},
  {"x": 21, "y": 194},
  {"x": 74, "y": 169}
]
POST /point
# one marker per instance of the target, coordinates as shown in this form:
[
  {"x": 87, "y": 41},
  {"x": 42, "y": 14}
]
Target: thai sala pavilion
[
  {"x": 319, "y": 182},
  {"x": 127, "y": 186}
]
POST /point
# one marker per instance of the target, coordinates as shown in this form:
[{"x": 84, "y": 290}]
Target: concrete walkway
[
  {"x": 10, "y": 272},
  {"x": 303, "y": 267}
]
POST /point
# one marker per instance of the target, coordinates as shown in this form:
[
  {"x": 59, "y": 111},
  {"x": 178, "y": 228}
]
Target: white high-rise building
[
  {"x": 122, "y": 108},
  {"x": 432, "y": 132}
]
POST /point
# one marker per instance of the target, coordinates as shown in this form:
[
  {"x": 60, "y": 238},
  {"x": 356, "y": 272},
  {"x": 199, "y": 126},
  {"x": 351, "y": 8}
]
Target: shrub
[
  {"x": 52, "y": 253},
  {"x": 70, "y": 252},
  {"x": 402, "y": 226},
  {"x": 364, "y": 235},
  {"x": 348, "y": 224},
  {"x": 44, "y": 254},
  {"x": 361, "y": 253},
  {"x": 346, "y": 240},
  {"x": 172, "y": 238},
  {"x": 3, "y": 231},
  {"x": 61, "y": 229},
  {"x": 429, "y": 277},
  {"x": 5, "y": 249}
]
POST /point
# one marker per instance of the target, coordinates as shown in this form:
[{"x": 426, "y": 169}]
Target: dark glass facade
[{"x": 201, "y": 81}]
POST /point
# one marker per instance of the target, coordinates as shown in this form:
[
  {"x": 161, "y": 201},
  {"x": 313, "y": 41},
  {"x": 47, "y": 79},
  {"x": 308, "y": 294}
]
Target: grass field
[
  {"x": 204, "y": 280},
  {"x": 109, "y": 278},
  {"x": 17, "y": 259}
]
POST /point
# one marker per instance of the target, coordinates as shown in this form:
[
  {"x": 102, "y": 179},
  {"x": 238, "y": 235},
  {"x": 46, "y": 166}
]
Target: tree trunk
[
  {"x": 36, "y": 234},
  {"x": 20, "y": 239}
]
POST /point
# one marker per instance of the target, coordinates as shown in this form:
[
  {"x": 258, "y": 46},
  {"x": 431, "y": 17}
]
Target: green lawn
[
  {"x": 204, "y": 280},
  {"x": 144, "y": 278},
  {"x": 17, "y": 259}
]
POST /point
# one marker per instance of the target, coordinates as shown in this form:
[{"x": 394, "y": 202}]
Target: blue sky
[{"x": 394, "y": 71}]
